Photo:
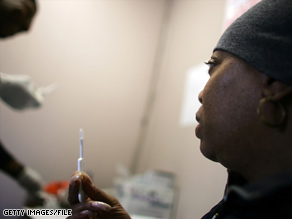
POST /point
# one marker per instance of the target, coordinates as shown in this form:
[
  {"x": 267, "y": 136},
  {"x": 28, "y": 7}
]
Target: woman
[{"x": 245, "y": 120}]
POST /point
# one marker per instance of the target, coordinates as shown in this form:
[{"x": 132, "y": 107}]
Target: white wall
[
  {"x": 194, "y": 31},
  {"x": 101, "y": 55}
]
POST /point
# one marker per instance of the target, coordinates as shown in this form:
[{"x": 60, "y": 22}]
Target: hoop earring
[{"x": 262, "y": 116}]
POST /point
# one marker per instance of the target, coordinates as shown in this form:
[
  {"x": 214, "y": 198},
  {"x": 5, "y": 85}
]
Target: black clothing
[{"x": 268, "y": 198}]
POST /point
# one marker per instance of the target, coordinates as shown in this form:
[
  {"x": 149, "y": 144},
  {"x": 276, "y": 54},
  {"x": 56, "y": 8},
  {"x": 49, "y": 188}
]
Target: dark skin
[
  {"x": 230, "y": 129},
  {"x": 15, "y": 16},
  {"x": 110, "y": 208}
]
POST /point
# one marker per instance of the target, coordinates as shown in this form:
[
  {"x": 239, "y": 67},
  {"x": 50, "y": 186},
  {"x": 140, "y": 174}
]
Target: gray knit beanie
[{"x": 262, "y": 37}]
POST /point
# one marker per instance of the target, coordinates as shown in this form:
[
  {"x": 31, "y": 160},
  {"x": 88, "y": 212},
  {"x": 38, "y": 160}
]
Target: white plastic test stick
[{"x": 81, "y": 195}]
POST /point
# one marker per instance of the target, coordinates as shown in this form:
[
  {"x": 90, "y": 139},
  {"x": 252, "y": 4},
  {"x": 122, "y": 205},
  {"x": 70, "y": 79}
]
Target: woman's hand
[{"x": 98, "y": 204}]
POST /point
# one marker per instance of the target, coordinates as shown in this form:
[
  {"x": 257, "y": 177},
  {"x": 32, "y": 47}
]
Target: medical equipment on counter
[
  {"x": 81, "y": 195},
  {"x": 152, "y": 194}
]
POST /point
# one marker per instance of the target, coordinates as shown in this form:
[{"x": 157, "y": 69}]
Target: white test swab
[{"x": 81, "y": 195}]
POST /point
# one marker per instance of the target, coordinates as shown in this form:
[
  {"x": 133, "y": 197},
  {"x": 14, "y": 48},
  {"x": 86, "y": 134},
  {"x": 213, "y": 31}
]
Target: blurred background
[{"x": 120, "y": 67}]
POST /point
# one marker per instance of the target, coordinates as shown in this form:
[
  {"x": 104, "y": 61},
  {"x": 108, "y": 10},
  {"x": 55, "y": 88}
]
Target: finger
[
  {"x": 90, "y": 214},
  {"x": 91, "y": 205},
  {"x": 74, "y": 188},
  {"x": 95, "y": 193},
  {"x": 78, "y": 215}
]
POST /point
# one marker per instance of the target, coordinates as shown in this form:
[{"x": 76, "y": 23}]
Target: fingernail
[
  {"x": 76, "y": 172},
  {"x": 102, "y": 206},
  {"x": 76, "y": 177}
]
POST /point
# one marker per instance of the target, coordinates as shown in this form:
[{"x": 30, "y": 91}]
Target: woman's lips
[
  {"x": 198, "y": 126},
  {"x": 197, "y": 130}
]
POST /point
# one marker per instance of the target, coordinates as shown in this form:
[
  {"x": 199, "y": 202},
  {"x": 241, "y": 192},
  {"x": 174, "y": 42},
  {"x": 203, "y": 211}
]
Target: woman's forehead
[{"x": 221, "y": 54}]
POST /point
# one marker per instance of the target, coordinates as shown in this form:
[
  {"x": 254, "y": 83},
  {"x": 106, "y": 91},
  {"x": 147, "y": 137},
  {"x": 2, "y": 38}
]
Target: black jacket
[{"x": 269, "y": 198}]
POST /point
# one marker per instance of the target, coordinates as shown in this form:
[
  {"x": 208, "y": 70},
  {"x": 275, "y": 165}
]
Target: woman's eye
[{"x": 211, "y": 64}]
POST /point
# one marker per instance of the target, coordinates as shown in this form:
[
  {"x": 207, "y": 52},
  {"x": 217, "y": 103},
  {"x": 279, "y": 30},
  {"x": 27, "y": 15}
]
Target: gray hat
[{"x": 262, "y": 37}]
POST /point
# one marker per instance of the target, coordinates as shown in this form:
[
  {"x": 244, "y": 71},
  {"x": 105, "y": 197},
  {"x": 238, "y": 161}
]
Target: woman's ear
[{"x": 274, "y": 89}]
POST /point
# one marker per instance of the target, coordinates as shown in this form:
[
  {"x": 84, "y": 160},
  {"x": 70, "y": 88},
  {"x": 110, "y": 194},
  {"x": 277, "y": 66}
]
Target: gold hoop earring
[{"x": 264, "y": 119}]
